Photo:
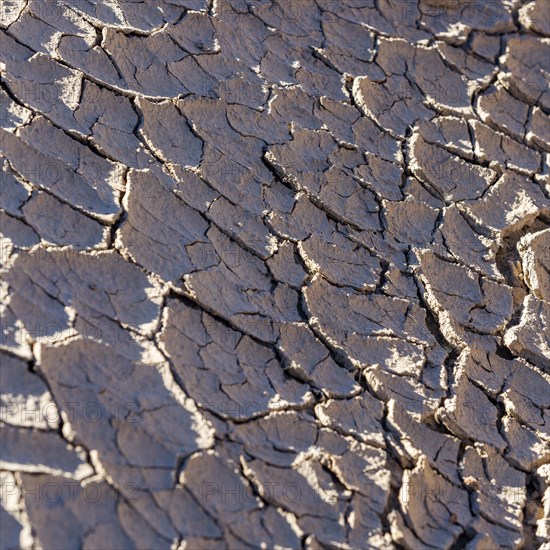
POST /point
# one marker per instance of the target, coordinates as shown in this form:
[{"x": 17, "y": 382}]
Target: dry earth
[{"x": 276, "y": 274}]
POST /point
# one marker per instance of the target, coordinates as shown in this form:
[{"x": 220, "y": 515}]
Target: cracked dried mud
[{"x": 275, "y": 274}]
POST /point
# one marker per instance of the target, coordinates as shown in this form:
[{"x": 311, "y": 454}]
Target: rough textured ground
[{"x": 276, "y": 274}]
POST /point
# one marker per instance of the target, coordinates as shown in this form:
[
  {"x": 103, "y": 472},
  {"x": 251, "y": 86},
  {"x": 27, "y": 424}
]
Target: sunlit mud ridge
[{"x": 275, "y": 274}]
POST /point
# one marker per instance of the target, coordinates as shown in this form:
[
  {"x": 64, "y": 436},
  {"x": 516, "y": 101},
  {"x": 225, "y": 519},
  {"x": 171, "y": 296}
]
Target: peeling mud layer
[{"x": 275, "y": 274}]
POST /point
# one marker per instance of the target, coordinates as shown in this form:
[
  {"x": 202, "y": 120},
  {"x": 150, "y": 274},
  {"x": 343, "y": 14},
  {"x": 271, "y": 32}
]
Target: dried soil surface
[{"x": 275, "y": 274}]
